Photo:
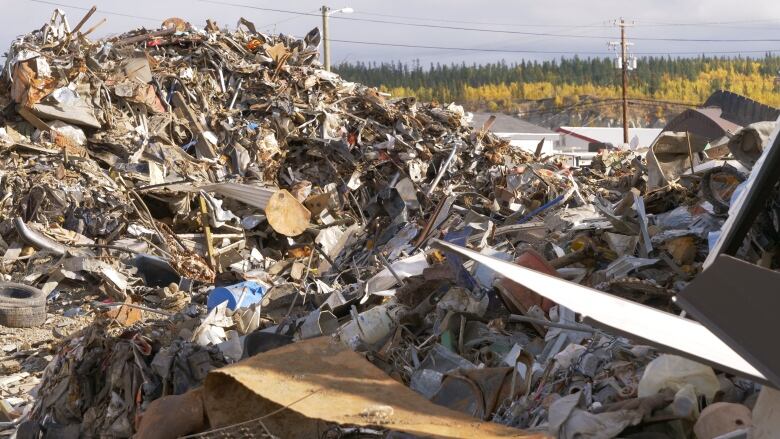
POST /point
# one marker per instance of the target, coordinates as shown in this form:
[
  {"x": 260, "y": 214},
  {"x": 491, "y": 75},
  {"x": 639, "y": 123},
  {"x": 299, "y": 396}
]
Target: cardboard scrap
[{"x": 322, "y": 380}]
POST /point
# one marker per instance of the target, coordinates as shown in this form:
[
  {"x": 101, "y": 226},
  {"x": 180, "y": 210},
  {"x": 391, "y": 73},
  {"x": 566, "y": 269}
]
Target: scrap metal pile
[{"x": 208, "y": 196}]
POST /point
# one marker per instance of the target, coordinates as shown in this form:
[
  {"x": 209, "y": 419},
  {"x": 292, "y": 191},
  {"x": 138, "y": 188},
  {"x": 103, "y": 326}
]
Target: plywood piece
[{"x": 322, "y": 380}]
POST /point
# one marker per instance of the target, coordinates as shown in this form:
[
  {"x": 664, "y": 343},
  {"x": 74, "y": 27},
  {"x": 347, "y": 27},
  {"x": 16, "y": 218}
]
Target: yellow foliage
[{"x": 506, "y": 96}]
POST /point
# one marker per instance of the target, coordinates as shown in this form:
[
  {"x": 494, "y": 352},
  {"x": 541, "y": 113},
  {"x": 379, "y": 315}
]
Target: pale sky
[{"x": 586, "y": 26}]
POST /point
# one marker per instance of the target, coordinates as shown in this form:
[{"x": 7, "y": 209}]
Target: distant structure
[
  {"x": 721, "y": 116},
  {"x": 520, "y": 133},
  {"x": 593, "y": 139}
]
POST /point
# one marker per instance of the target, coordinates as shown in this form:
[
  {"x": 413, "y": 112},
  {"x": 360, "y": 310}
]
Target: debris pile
[{"x": 203, "y": 196}]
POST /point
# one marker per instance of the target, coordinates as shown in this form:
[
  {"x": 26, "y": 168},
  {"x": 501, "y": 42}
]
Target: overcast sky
[{"x": 586, "y": 26}]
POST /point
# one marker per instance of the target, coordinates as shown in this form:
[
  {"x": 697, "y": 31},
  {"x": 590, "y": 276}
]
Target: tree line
[{"x": 506, "y": 86}]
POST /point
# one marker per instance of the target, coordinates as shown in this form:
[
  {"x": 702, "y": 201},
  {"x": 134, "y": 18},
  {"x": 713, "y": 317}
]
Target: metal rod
[
  {"x": 442, "y": 170},
  {"x": 92, "y": 29},
  {"x": 221, "y": 76},
  {"x": 84, "y": 20},
  {"x": 390, "y": 268},
  {"x": 542, "y": 322},
  {"x": 144, "y": 37},
  {"x": 131, "y": 305},
  {"x": 332, "y": 263},
  {"x": 690, "y": 151},
  {"x": 238, "y": 89}
]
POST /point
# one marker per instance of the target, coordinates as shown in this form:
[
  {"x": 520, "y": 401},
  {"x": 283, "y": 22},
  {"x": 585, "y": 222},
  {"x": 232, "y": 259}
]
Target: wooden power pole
[
  {"x": 624, "y": 73},
  {"x": 625, "y": 64}
]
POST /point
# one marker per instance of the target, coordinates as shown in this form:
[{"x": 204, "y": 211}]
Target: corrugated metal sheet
[
  {"x": 256, "y": 196},
  {"x": 741, "y": 110}
]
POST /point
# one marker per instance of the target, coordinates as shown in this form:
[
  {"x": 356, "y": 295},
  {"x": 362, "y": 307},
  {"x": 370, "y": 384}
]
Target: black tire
[{"x": 21, "y": 306}]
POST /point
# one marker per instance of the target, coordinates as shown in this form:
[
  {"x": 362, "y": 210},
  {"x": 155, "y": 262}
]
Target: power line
[
  {"x": 280, "y": 21},
  {"x": 709, "y": 52},
  {"x": 120, "y": 14},
  {"x": 541, "y": 52},
  {"x": 258, "y": 8},
  {"x": 706, "y": 23},
  {"x": 552, "y": 112},
  {"x": 662, "y": 101},
  {"x": 487, "y": 23},
  {"x": 416, "y": 46},
  {"x": 466, "y": 49},
  {"x": 558, "y": 110},
  {"x": 744, "y": 24},
  {"x": 599, "y": 103},
  {"x": 499, "y": 31},
  {"x": 81, "y": 8}
]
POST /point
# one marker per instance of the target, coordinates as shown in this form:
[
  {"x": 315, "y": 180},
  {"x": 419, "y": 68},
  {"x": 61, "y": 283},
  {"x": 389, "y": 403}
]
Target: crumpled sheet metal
[
  {"x": 746, "y": 200},
  {"x": 478, "y": 392},
  {"x": 320, "y": 379},
  {"x": 98, "y": 380},
  {"x": 748, "y": 143},
  {"x": 679, "y": 334},
  {"x": 670, "y": 156},
  {"x": 567, "y": 421}
]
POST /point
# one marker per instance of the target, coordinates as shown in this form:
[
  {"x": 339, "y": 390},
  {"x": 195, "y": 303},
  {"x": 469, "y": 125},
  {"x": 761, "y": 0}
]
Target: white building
[
  {"x": 591, "y": 139},
  {"x": 520, "y": 133},
  {"x": 580, "y": 144}
]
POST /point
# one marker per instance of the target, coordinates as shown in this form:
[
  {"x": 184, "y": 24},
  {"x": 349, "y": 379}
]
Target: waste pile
[{"x": 202, "y": 196}]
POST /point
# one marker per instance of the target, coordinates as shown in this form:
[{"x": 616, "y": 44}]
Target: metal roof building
[{"x": 579, "y": 138}]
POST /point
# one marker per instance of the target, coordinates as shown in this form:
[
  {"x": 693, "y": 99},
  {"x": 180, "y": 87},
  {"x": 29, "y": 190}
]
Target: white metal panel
[{"x": 678, "y": 333}]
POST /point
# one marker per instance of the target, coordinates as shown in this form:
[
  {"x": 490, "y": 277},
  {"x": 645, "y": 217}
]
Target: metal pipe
[
  {"x": 37, "y": 239},
  {"x": 443, "y": 169},
  {"x": 390, "y": 268},
  {"x": 542, "y": 322},
  {"x": 131, "y": 305},
  {"x": 238, "y": 89},
  {"x": 92, "y": 29},
  {"x": 84, "y": 20},
  {"x": 218, "y": 67}
]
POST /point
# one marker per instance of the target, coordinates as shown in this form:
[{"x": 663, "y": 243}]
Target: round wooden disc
[{"x": 286, "y": 214}]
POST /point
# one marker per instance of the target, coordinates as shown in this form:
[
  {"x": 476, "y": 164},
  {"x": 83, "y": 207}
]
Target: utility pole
[
  {"x": 625, "y": 63},
  {"x": 624, "y": 73},
  {"x": 326, "y": 12},
  {"x": 325, "y": 38}
]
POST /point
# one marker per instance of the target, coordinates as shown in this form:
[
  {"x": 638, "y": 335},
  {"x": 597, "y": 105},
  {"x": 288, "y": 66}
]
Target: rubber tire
[{"x": 21, "y": 306}]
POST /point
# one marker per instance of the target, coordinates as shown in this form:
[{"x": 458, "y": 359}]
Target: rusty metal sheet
[{"x": 706, "y": 123}]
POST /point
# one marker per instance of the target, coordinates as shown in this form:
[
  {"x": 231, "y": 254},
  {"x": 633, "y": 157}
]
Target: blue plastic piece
[
  {"x": 541, "y": 209},
  {"x": 462, "y": 276},
  {"x": 231, "y": 294},
  {"x": 189, "y": 144}
]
